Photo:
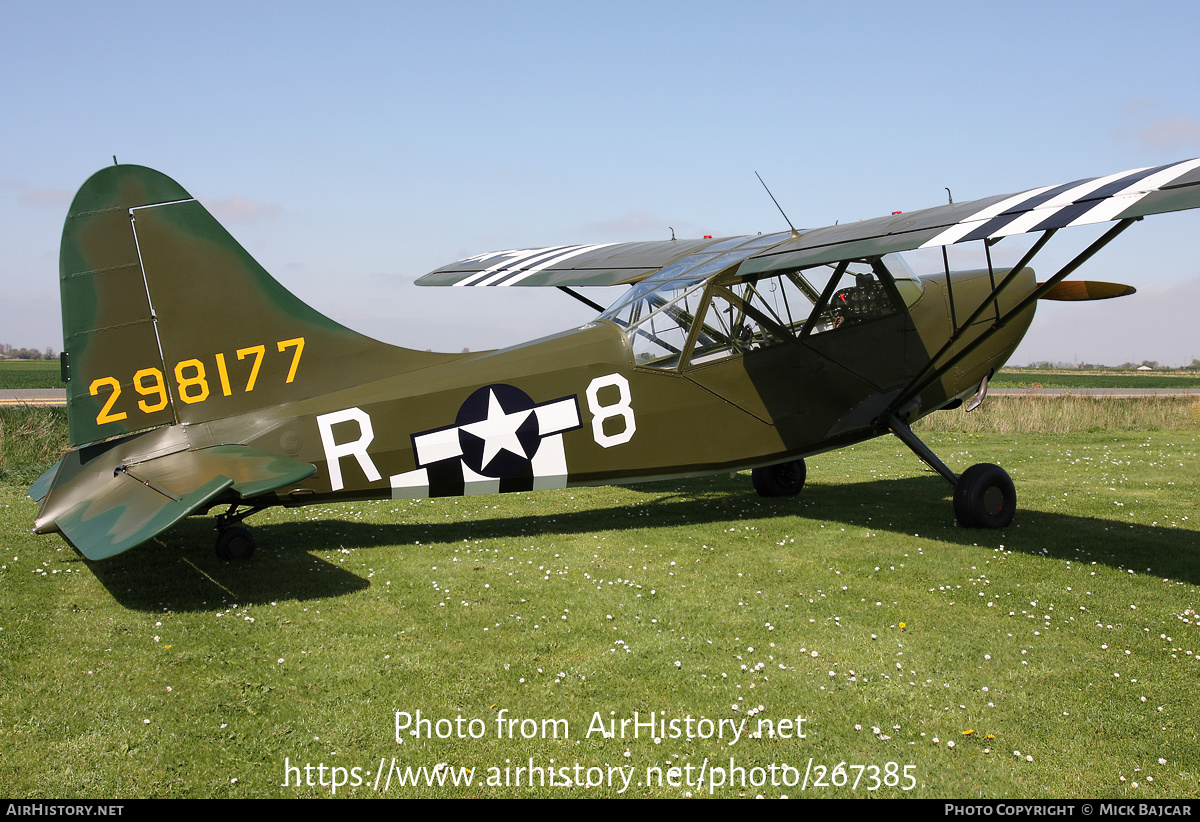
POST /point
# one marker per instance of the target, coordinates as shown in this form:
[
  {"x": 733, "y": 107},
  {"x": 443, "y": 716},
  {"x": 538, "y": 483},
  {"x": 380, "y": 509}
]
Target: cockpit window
[
  {"x": 659, "y": 320},
  {"x": 659, "y": 312},
  {"x": 754, "y": 314},
  {"x": 907, "y": 283},
  {"x": 910, "y": 291},
  {"x": 860, "y": 297},
  {"x": 676, "y": 319}
]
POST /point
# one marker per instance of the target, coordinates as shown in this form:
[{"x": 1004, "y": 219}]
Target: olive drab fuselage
[{"x": 577, "y": 408}]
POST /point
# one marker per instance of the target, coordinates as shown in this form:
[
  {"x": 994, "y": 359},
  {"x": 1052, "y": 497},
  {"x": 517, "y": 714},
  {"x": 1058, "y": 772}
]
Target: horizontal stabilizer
[
  {"x": 253, "y": 472},
  {"x": 127, "y": 514},
  {"x": 42, "y": 485},
  {"x": 1079, "y": 290},
  {"x": 104, "y": 509}
]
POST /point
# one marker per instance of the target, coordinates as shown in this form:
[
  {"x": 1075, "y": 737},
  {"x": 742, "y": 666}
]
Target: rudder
[{"x": 107, "y": 322}]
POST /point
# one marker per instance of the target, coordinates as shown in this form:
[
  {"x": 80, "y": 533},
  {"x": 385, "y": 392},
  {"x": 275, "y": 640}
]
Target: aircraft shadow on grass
[{"x": 177, "y": 571}]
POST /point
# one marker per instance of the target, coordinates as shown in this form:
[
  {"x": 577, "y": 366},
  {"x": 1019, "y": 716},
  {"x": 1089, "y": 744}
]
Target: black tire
[
  {"x": 984, "y": 497},
  {"x": 782, "y": 480},
  {"x": 235, "y": 543}
]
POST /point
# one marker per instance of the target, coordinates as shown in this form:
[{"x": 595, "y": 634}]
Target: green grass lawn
[
  {"x": 1055, "y": 658},
  {"x": 1027, "y": 378},
  {"x": 19, "y": 374}
]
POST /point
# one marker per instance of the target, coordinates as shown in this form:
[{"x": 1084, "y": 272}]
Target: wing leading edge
[{"x": 575, "y": 265}]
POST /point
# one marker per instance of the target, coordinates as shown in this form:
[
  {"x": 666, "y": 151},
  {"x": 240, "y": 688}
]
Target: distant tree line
[
  {"x": 1047, "y": 365},
  {"x": 7, "y": 352}
]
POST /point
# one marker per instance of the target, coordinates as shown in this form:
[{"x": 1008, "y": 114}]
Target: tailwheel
[
  {"x": 234, "y": 540},
  {"x": 235, "y": 543},
  {"x": 782, "y": 480},
  {"x": 984, "y": 497}
]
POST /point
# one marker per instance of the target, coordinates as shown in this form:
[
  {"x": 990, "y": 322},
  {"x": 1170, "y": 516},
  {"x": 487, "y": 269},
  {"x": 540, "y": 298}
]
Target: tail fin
[{"x": 167, "y": 319}]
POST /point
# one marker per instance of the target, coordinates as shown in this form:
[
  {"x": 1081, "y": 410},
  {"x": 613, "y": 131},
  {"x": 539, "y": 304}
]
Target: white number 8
[{"x": 600, "y": 413}]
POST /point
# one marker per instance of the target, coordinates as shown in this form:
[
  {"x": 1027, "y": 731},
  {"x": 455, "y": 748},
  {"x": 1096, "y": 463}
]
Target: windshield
[{"x": 658, "y": 313}]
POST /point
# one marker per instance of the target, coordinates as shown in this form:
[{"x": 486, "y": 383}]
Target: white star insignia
[{"x": 499, "y": 430}]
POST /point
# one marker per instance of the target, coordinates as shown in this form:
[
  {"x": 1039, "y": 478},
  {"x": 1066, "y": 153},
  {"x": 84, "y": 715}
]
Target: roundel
[{"x": 498, "y": 431}]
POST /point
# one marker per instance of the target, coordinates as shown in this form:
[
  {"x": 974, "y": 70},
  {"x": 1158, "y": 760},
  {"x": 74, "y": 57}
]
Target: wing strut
[
  {"x": 581, "y": 298},
  {"x": 932, "y": 373},
  {"x": 920, "y": 380}
]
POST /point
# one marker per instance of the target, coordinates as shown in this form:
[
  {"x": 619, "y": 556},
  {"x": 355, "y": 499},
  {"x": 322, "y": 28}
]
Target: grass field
[
  {"x": 16, "y": 374},
  {"x": 1029, "y": 378},
  {"x": 1055, "y": 658},
  {"x": 1067, "y": 415}
]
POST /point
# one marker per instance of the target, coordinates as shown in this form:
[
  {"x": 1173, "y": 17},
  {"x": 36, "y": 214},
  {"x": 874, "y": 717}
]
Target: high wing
[
  {"x": 1126, "y": 195},
  {"x": 567, "y": 265}
]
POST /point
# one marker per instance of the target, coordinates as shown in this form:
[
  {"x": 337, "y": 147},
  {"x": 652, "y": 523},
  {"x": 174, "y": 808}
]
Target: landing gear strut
[
  {"x": 782, "y": 480},
  {"x": 984, "y": 496},
  {"x": 235, "y": 542}
]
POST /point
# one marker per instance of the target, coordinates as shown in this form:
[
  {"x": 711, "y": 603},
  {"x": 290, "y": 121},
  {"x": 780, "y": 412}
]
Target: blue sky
[{"x": 353, "y": 147}]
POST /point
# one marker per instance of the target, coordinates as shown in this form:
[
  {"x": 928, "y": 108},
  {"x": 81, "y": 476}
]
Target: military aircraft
[{"x": 196, "y": 381}]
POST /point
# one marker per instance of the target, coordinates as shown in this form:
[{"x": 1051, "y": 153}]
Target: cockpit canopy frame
[{"x": 701, "y": 309}]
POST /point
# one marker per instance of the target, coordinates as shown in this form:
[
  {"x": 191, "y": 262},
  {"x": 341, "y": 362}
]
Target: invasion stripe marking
[
  {"x": 1030, "y": 219},
  {"x": 956, "y": 232},
  {"x": 993, "y": 225},
  {"x": 1072, "y": 204},
  {"x": 552, "y": 263},
  {"x": 1080, "y": 203},
  {"x": 1078, "y": 212},
  {"x": 510, "y": 276},
  {"x": 1110, "y": 208},
  {"x": 510, "y": 258},
  {"x": 1069, "y": 214},
  {"x": 509, "y": 270}
]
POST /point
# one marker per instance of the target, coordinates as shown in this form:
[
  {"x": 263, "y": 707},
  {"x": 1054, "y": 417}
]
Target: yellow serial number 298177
[{"x": 191, "y": 381}]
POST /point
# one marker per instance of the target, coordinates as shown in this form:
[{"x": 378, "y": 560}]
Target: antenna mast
[{"x": 777, "y": 205}]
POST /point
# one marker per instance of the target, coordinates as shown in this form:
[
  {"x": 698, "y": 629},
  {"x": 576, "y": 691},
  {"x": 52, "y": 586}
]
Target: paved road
[
  {"x": 36, "y": 397},
  {"x": 57, "y": 397}
]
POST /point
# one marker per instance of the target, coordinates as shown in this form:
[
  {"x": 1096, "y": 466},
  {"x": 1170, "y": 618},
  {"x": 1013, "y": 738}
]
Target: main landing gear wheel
[
  {"x": 235, "y": 543},
  {"x": 984, "y": 497},
  {"x": 782, "y": 480}
]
